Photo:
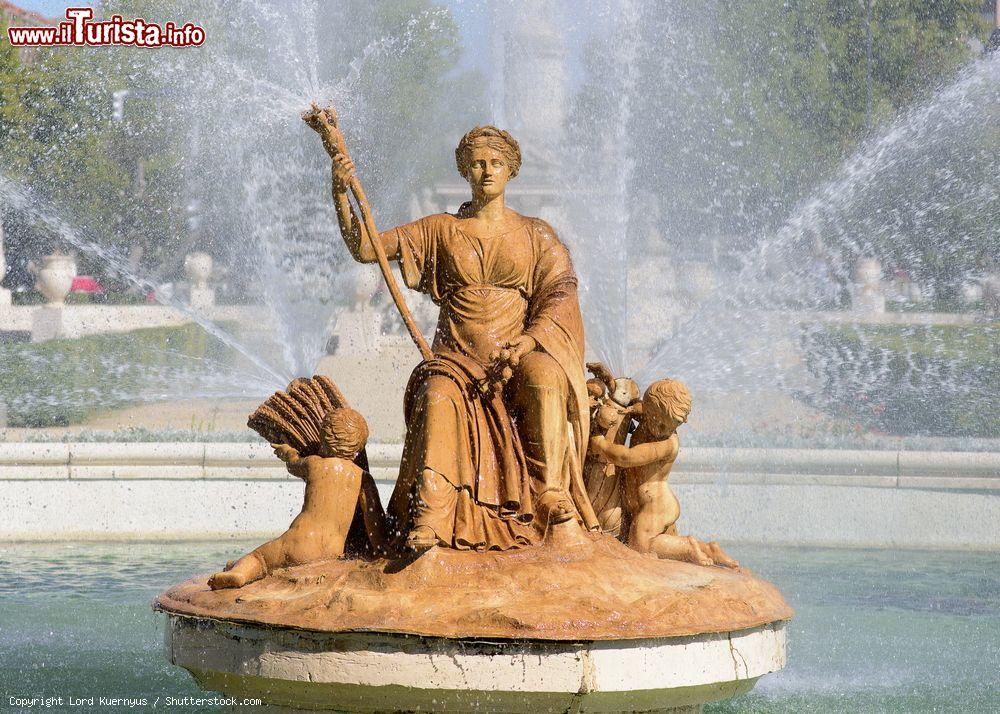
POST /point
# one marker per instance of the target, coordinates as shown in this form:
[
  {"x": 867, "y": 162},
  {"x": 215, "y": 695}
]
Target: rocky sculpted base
[{"x": 576, "y": 587}]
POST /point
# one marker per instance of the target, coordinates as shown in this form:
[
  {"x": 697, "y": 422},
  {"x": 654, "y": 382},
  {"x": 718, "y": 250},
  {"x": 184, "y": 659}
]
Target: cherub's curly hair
[
  {"x": 344, "y": 432},
  {"x": 496, "y": 139},
  {"x": 669, "y": 397}
]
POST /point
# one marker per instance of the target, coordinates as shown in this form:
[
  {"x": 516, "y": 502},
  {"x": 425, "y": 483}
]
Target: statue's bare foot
[
  {"x": 696, "y": 554},
  {"x": 421, "y": 538},
  {"x": 561, "y": 512},
  {"x": 227, "y": 579},
  {"x": 566, "y": 533},
  {"x": 247, "y": 569},
  {"x": 556, "y": 507},
  {"x": 719, "y": 555}
]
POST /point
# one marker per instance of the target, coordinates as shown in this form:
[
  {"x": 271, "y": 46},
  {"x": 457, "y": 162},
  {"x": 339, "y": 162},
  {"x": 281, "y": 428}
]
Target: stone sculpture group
[
  {"x": 506, "y": 438},
  {"x": 528, "y": 558}
]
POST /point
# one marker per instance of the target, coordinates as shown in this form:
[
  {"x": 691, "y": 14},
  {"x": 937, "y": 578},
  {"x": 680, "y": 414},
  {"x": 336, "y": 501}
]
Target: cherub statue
[
  {"x": 614, "y": 402},
  {"x": 333, "y": 487},
  {"x": 612, "y": 399},
  {"x": 651, "y": 509}
]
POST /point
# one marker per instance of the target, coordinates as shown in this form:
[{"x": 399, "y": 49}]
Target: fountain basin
[
  {"x": 582, "y": 622},
  {"x": 307, "y": 670}
]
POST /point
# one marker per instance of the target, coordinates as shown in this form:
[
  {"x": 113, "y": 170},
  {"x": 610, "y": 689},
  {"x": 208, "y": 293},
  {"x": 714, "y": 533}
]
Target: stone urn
[
  {"x": 55, "y": 279},
  {"x": 868, "y": 271},
  {"x": 991, "y": 293},
  {"x": 198, "y": 269},
  {"x": 358, "y": 324},
  {"x": 360, "y": 286},
  {"x": 869, "y": 292}
]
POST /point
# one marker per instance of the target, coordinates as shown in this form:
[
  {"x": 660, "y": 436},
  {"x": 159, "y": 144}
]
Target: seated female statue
[{"x": 497, "y": 421}]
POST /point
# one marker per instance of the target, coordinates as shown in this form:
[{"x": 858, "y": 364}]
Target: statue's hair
[
  {"x": 669, "y": 397},
  {"x": 496, "y": 139},
  {"x": 344, "y": 432}
]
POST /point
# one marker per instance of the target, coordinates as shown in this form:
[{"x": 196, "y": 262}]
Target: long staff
[{"x": 334, "y": 134}]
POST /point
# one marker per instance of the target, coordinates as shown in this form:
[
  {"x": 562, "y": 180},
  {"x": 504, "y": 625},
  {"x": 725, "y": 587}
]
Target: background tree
[
  {"x": 206, "y": 130},
  {"x": 738, "y": 114},
  {"x": 114, "y": 181}
]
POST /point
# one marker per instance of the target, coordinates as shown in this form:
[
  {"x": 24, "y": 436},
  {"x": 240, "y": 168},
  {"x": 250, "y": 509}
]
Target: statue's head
[
  {"x": 488, "y": 158},
  {"x": 665, "y": 406},
  {"x": 343, "y": 433},
  {"x": 626, "y": 391}
]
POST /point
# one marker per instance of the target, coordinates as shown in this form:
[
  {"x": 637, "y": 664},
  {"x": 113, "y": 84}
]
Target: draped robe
[{"x": 489, "y": 290}]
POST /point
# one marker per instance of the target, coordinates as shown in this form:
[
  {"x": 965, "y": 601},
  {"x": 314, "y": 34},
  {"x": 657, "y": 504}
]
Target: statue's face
[
  {"x": 488, "y": 171},
  {"x": 662, "y": 424}
]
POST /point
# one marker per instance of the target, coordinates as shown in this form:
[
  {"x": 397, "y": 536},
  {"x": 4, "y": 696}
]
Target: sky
[{"x": 49, "y": 8}]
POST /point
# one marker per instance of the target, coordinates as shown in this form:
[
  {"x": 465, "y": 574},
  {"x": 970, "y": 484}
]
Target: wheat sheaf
[{"x": 293, "y": 416}]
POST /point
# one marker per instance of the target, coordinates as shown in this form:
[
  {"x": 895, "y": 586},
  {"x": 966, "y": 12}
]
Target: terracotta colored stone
[
  {"x": 588, "y": 588},
  {"x": 490, "y": 531},
  {"x": 497, "y": 413}
]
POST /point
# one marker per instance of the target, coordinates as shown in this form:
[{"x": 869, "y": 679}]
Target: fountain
[
  {"x": 490, "y": 513},
  {"x": 684, "y": 270},
  {"x": 281, "y": 237}
]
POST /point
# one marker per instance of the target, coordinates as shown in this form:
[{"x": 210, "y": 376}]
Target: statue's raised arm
[
  {"x": 361, "y": 237},
  {"x": 354, "y": 231}
]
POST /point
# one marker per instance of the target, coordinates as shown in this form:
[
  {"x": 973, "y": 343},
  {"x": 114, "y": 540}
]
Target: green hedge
[
  {"x": 913, "y": 379},
  {"x": 62, "y": 382}
]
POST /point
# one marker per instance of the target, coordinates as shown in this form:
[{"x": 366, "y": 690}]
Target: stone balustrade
[
  {"x": 46, "y": 322},
  {"x": 68, "y": 321},
  {"x": 919, "y": 499},
  {"x": 696, "y": 465}
]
